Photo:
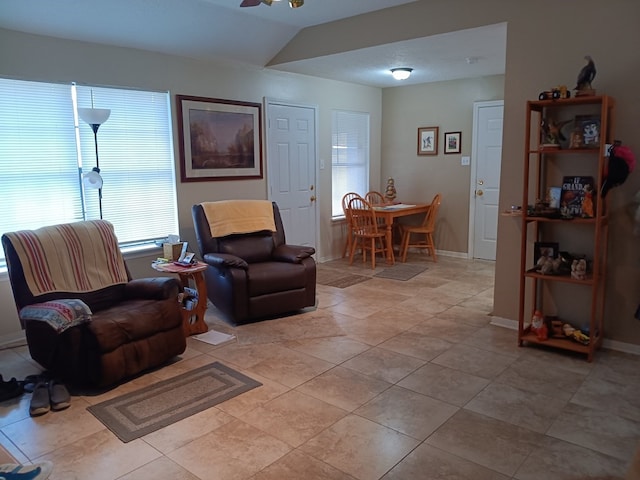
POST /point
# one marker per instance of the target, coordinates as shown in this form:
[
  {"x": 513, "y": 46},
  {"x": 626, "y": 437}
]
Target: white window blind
[
  {"x": 42, "y": 160},
  {"x": 349, "y": 156},
  {"x": 39, "y": 179},
  {"x": 136, "y": 162}
]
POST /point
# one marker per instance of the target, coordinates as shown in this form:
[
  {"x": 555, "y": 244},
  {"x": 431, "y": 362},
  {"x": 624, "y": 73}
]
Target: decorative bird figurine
[{"x": 585, "y": 77}]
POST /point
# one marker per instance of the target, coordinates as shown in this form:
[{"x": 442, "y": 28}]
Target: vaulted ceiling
[{"x": 219, "y": 30}]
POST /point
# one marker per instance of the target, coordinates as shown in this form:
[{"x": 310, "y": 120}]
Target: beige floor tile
[
  {"x": 468, "y": 316},
  {"x": 181, "y": 433},
  {"x": 99, "y": 456},
  {"x": 36, "y": 436},
  {"x": 344, "y": 388},
  {"x": 541, "y": 377},
  {"x": 621, "y": 399},
  {"x": 369, "y": 332},
  {"x": 241, "y": 356},
  {"x": 384, "y": 364},
  {"x": 446, "y": 384},
  {"x": 407, "y": 412},
  {"x": 398, "y": 317},
  {"x": 290, "y": 368},
  {"x": 330, "y": 349},
  {"x": 518, "y": 407},
  {"x": 468, "y": 284},
  {"x": 14, "y": 409},
  {"x": 183, "y": 366},
  {"x": 234, "y": 451},
  {"x": 162, "y": 467},
  {"x": 449, "y": 330},
  {"x": 440, "y": 465},
  {"x": 294, "y": 417},
  {"x": 298, "y": 465},
  {"x": 416, "y": 345},
  {"x": 486, "y": 441},
  {"x": 255, "y": 397},
  {"x": 360, "y": 447},
  {"x": 597, "y": 429},
  {"x": 558, "y": 460},
  {"x": 474, "y": 361},
  {"x": 495, "y": 339},
  {"x": 424, "y": 306}
]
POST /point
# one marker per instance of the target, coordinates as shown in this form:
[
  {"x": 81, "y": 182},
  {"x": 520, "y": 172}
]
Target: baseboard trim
[
  {"x": 13, "y": 340},
  {"x": 606, "y": 343}
]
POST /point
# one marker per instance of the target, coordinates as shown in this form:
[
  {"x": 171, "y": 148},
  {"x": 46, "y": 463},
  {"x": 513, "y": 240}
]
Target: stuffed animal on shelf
[{"x": 538, "y": 326}]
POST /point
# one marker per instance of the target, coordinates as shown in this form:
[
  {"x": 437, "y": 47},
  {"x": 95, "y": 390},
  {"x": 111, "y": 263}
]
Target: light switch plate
[{"x": 465, "y": 160}]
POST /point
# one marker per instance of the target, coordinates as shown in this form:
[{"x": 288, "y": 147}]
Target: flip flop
[
  {"x": 58, "y": 395},
  {"x": 39, "y": 400}
]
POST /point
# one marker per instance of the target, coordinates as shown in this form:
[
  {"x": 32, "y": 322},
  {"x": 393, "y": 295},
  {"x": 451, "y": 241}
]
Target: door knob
[
  {"x": 479, "y": 193},
  {"x": 480, "y": 182},
  {"x": 312, "y": 198}
]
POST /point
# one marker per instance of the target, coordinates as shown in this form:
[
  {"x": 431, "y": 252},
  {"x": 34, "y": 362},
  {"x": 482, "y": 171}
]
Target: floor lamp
[{"x": 94, "y": 117}]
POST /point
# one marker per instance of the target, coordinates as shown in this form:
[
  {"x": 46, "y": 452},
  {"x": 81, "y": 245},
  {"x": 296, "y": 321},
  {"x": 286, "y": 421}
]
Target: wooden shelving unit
[{"x": 577, "y": 302}]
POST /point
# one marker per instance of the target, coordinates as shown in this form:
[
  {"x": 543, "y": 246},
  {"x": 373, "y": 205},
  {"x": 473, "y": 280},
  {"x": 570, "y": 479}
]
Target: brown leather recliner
[
  {"x": 256, "y": 275},
  {"x": 134, "y": 326}
]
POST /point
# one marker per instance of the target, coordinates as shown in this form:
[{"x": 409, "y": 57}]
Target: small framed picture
[
  {"x": 588, "y": 129},
  {"x": 428, "y": 141},
  {"x": 452, "y": 142},
  {"x": 545, "y": 249}
]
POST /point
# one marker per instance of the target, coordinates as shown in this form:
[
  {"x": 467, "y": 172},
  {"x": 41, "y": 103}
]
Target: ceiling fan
[{"x": 255, "y": 3}]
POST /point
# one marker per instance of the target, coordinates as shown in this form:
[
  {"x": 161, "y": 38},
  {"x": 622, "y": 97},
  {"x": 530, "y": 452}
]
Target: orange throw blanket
[
  {"x": 229, "y": 217},
  {"x": 71, "y": 257}
]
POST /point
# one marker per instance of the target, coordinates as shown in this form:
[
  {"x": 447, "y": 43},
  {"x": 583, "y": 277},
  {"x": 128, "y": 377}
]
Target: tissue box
[{"x": 171, "y": 251}]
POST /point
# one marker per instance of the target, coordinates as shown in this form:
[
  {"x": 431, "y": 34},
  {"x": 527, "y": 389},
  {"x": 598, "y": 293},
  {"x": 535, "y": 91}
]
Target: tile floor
[{"x": 386, "y": 379}]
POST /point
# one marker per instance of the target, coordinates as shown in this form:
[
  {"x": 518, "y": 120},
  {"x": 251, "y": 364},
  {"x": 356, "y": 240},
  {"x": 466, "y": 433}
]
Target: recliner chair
[
  {"x": 129, "y": 326},
  {"x": 255, "y": 275}
]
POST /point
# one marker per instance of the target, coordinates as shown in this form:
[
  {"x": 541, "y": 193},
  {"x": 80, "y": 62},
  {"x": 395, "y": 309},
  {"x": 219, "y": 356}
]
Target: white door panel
[
  {"x": 291, "y": 163},
  {"x": 488, "y": 122}
]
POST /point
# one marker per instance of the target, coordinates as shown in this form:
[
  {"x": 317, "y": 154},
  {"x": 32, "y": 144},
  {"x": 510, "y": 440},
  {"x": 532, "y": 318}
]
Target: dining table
[{"x": 396, "y": 210}]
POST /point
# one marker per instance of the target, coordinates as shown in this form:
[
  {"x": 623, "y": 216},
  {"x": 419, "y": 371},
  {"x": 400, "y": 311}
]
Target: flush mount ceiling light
[{"x": 401, "y": 73}]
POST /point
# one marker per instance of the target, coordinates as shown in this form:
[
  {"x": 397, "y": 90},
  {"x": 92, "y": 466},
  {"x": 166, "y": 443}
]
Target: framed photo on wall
[
  {"x": 452, "y": 142},
  {"x": 219, "y": 139},
  {"x": 428, "y": 141}
]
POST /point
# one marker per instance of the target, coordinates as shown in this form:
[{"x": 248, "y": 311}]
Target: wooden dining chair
[
  {"x": 375, "y": 198},
  {"x": 366, "y": 232},
  {"x": 423, "y": 233},
  {"x": 345, "y": 209}
]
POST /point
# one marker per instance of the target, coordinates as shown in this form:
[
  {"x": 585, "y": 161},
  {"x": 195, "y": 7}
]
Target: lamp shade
[
  {"x": 94, "y": 116},
  {"x": 92, "y": 179},
  {"x": 401, "y": 73}
]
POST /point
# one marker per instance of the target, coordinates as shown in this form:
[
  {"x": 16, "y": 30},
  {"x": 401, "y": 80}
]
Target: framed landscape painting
[{"x": 219, "y": 139}]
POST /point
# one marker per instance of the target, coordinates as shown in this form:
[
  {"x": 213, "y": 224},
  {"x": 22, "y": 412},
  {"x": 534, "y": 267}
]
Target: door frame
[
  {"x": 268, "y": 103},
  {"x": 474, "y": 170}
]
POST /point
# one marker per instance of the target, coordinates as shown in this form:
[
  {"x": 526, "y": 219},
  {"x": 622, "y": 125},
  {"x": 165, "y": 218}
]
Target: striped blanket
[{"x": 72, "y": 257}]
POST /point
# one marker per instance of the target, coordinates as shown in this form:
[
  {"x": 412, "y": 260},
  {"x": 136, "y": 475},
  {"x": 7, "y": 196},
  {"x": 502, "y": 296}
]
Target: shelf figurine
[
  {"x": 538, "y": 326},
  {"x": 585, "y": 77}
]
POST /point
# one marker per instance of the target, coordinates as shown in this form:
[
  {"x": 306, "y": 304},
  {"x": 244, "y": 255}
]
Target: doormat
[
  {"x": 336, "y": 278},
  {"x": 151, "y": 408},
  {"x": 401, "y": 272}
]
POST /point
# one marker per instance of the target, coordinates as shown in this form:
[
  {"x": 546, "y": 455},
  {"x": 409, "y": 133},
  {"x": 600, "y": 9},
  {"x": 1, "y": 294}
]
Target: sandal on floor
[
  {"x": 58, "y": 395},
  {"x": 40, "y": 400},
  {"x": 16, "y": 471}
]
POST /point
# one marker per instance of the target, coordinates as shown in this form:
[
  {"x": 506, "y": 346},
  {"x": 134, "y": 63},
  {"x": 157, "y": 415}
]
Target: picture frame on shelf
[
  {"x": 577, "y": 197},
  {"x": 588, "y": 129},
  {"x": 428, "y": 140},
  {"x": 219, "y": 139},
  {"x": 452, "y": 142},
  {"x": 545, "y": 249}
]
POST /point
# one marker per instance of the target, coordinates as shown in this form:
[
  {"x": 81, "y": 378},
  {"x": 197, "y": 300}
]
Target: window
[
  {"x": 44, "y": 150},
  {"x": 349, "y": 156}
]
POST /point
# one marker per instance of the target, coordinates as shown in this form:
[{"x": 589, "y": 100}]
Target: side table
[{"x": 192, "y": 320}]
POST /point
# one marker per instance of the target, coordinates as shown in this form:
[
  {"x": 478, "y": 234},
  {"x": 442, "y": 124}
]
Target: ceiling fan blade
[{"x": 250, "y": 3}]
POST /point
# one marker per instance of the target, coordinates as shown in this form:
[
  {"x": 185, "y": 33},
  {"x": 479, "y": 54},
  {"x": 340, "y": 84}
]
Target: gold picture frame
[{"x": 428, "y": 140}]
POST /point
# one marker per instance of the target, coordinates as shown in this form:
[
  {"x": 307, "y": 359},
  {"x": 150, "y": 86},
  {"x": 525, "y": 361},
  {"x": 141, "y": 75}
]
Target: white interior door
[
  {"x": 485, "y": 178},
  {"x": 291, "y": 166}
]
